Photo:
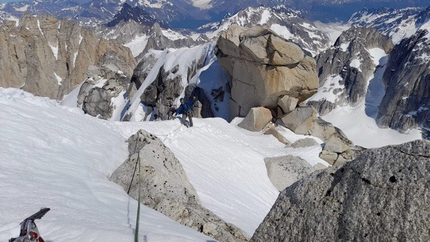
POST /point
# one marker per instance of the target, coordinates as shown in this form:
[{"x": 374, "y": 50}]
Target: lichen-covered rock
[
  {"x": 166, "y": 188},
  {"x": 285, "y": 170},
  {"x": 380, "y": 196}
]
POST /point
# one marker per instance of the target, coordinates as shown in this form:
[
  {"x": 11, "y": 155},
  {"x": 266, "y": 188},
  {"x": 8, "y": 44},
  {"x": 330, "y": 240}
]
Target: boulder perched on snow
[
  {"x": 300, "y": 120},
  {"x": 256, "y": 119},
  {"x": 264, "y": 68},
  {"x": 166, "y": 188},
  {"x": 306, "y": 142},
  {"x": 285, "y": 170},
  {"x": 336, "y": 148},
  {"x": 276, "y": 132},
  {"x": 380, "y": 196}
]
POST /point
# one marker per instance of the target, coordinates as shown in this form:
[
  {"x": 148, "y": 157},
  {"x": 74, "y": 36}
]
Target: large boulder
[
  {"x": 300, "y": 120},
  {"x": 166, "y": 188},
  {"x": 256, "y": 119},
  {"x": 337, "y": 148},
  {"x": 380, "y": 196},
  {"x": 264, "y": 68},
  {"x": 285, "y": 170}
]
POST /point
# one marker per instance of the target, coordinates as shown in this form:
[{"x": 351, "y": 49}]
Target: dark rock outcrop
[
  {"x": 349, "y": 59},
  {"x": 406, "y": 104},
  {"x": 174, "y": 80},
  {"x": 380, "y": 196},
  {"x": 136, "y": 14},
  {"x": 158, "y": 41}
]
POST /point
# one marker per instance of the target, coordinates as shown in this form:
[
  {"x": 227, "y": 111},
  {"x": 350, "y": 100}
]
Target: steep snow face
[{"x": 138, "y": 44}]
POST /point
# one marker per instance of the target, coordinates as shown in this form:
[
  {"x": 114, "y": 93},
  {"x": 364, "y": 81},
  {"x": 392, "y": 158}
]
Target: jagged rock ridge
[
  {"x": 345, "y": 69},
  {"x": 137, "y": 14},
  {"x": 406, "y": 104}
]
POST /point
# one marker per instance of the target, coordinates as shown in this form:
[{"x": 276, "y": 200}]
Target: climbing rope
[
  {"x": 136, "y": 167},
  {"x": 136, "y": 234},
  {"x": 167, "y": 135}
]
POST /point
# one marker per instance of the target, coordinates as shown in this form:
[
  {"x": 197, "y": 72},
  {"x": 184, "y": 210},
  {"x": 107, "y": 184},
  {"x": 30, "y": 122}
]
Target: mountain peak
[{"x": 136, "y": 14}]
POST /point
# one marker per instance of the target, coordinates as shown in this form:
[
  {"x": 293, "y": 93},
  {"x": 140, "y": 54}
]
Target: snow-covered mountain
[
  {"x": 187, "y": 13},
  {"x": 396, "y": 23},
  {"x": 136, "y": 14},
  {"x": 287, "y": 23}
]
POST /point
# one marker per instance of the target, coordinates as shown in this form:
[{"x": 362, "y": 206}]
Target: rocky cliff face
[
  {"x": 48, "y": 57},
  {"x": 406, "y": 104},
  {"x": 345, "y": 69},
  {"x": 382, "y": 195}
]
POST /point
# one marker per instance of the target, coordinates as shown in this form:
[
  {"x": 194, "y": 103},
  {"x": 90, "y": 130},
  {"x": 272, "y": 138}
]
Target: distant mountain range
[
  {"x": 396, "y": 23},
  {"x": 190, "y": 13}
]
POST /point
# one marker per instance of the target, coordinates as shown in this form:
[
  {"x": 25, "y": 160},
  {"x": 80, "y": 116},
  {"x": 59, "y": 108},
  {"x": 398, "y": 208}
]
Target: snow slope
[{"x": 55, "y": 156}]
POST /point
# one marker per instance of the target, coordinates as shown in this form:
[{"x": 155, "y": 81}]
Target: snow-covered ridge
[
  {"x": 287, "y": 23},
  {"x": 396, "y": 23}
]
